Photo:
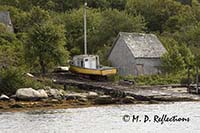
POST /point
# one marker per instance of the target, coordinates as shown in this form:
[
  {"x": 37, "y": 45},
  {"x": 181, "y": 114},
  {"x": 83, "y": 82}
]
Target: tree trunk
[{"x": 43, "y": 67}]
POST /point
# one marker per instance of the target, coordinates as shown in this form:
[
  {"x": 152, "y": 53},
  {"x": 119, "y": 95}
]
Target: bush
[
  {"x": 158, "y": 79},
  {"x": 114, "y": 78},
  {"x": 11, "y": 80}
]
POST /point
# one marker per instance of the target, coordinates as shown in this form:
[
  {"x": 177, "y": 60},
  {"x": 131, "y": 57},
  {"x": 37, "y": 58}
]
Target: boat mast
[{"x": 85, "y": 29}]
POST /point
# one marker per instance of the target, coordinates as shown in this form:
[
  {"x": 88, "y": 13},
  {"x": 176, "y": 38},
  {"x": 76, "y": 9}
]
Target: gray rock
[
  {"x": 43, "y": 94},
  {"x": 105, "y": 99},
  {"x": 74, "y": 96},
  {"x": 13, "y": 96},
  {"x": 92, "y": 95},
  {"x": 129, "y": 99},
  {"x": 55, "y": 93},
  {"x": 30, "y": 94},
  {"x": 83, "y": 100},
  {"x": 4, "y": 97}
]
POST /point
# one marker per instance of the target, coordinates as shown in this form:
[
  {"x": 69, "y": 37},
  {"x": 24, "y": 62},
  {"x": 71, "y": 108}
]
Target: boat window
[{"x": 86, "y": 59}]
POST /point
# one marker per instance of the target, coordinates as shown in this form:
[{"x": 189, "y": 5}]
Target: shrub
[
  {"x": 11, "y": 80},
  {"x": 158, "y": 79}
]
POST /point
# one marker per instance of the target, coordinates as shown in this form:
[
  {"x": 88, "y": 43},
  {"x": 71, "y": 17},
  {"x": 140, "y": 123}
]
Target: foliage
[
  {"x": 114, "y": 22},
  {"x": 11, "y": 80},
  {"x": 41, "y": 42},
  {"x": 11, "y": 51},
  {"x": 102, "y": 28},
  {"x": 74, "y": 29},
  {"x": 45, "y": 46},
  {"x": 158, "y": 79},
  {"x": 160, "y": 14},
  {"x": 177, "y": 58},
  {"x": 2, "y": 28}
]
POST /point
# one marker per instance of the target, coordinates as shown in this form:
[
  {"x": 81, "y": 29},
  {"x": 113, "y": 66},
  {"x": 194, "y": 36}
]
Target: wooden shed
[{"x": 136, "y": 54}]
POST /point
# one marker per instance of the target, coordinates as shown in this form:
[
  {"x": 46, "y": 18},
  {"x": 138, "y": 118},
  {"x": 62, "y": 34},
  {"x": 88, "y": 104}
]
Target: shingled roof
[{"x": 143, "y": 45}]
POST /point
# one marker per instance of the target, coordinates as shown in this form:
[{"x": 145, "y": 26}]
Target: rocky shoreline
[
  {"x": 28, "y": 98},
  {"x": 48, "y": 98}
]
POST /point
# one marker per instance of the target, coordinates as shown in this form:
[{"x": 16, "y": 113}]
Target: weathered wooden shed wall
[
  {"x": 6, "y": 20},
  {"x": 150, "y": 66},
  {"x": 136, "y": 54},
  {"x": 122, "y": 59}
]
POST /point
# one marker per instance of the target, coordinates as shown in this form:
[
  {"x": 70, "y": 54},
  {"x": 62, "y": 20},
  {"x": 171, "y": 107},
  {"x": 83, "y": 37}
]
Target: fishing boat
[{"x": 89, "y": 64}]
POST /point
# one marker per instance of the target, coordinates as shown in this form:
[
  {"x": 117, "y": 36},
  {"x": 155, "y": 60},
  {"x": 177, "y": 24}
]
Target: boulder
[
  {"x": 30, "y": 94},
  {"x": 92, "y": 95},
  {"x": 74, "y": 96},
  {"x": 42, "y": 93},
  {"x": 13, "y": 96},
  {"x": 55, "y": 93},
  {"x": 4, "y": 97},
  {"x": 129, "y": 99},
  {"x": 105, "y": 99}
]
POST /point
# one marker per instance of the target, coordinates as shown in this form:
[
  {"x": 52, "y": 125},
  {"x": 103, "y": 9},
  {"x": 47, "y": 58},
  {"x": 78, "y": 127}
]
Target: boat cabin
[{"x": 86, "y": 61}]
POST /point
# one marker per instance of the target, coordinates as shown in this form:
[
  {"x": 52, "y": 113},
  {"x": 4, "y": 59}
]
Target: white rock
[
  {"x": 92, "y": 95},
  {"x": 43, "y": 94},
  {"x": 30, "y": 94},
  {"x": 4, "y": 97}
]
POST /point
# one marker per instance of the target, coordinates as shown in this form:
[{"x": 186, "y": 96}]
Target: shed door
[{"x": 140, "y": 69}]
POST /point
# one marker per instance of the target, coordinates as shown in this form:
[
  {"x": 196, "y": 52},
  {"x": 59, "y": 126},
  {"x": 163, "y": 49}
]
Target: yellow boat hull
[{"x": 99, "y": 72}]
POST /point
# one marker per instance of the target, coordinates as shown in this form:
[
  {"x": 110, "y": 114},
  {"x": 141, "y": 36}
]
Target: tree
[
  {"x": 19, "y": 18},
  {"x": 115, "y": 21},
  {"x": 11, "y": 51},
  {"x": 117, "y": 4},
  {"x": 98, "y": 3},
  {"x": 186, "y": 2},
  {"x": 73, "y": 21},
  {"x": 3, "y": 28},
  {"x": 45, "y": 46},
  {"x": 181, "y": 21},
  {"x": 191, "y": 36},
  {"x": 102, "y": 28},
  {"x": 196, "y": 9},
  {"x": 172, "y": 62},
  {"x": 156, "y": 12},
  {"x": 177, "y": 58}
]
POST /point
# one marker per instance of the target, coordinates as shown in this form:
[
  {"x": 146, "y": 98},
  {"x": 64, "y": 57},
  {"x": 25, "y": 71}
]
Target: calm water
[{"x": 103, "y": 119}]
